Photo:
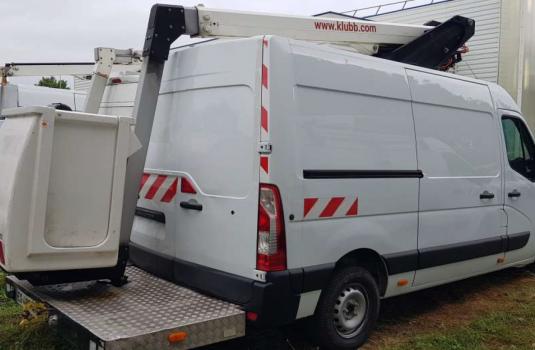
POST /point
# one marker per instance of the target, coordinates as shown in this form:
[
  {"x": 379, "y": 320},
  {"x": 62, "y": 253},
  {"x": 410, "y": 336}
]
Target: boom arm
[
  {"x": 105, "y": 60},
  {"x": 224, "y": 23}
]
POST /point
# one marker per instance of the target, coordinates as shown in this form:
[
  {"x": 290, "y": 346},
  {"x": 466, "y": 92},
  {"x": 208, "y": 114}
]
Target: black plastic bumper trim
[
  {"x": 276, "y": 301},
  {"x": 226, "y": 286},
  {"x": 517, "y": 240},
  {"x": 401, "y": 262},
  {"x": 316, "y": 277},
  {"x": 451, "y": 253}
]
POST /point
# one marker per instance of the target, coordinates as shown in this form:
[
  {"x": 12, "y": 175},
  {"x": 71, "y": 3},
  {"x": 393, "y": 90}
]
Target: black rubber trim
[
  {"x": 230, "y": 287},
  {"x": 401, "y": 262},
  {"x": 452, "y": 253},
  {"x": 447, "y": 254},
  {"x": 316, "y": 277},
  {"x": 276, "y": 301},
  {"x": 362, "y": 174},
  {"x": 296, "y": 280},
  {"x": 150, "y": 214},
  {"x": 517, "y": 240}
]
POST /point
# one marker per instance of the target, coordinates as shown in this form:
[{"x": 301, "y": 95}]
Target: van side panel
[
  {"x": 347, "y": 170},
  {"x": 461, "y": 198},
  {"x": 119, "y": 99},
  {"x": 206, "y": 133}
]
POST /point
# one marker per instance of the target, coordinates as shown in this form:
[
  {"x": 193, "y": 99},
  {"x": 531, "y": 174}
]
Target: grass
[
  {"x": 34, "y": 335},
  {"x": 495, "y": 311},
  {"x": 501, "y": 330}
]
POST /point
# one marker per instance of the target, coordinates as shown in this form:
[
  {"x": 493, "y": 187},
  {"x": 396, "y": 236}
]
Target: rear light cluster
[
  {"x": 271, "y": 246},
  {"x": 2, "y": 256}
]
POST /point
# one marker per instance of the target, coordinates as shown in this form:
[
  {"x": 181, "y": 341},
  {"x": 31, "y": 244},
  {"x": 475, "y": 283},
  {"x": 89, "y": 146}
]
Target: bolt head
[{"x": 53, "y": 320}]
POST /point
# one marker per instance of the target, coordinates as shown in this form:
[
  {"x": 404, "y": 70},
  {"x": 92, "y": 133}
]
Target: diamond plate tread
[{"x": 138, "y": 312}]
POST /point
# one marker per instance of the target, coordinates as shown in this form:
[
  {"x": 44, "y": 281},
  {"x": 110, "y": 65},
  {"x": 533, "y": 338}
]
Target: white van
[
  {"x": 299, "y": 180},
  {"x": 118, "y": 97},
  {"x": 22, "y": 95}
]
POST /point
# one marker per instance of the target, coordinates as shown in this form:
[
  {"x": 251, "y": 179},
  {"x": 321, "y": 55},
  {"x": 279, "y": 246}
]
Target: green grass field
[
  {"x": 495, "y": 311},
  {"x": 34, "y": 335}
]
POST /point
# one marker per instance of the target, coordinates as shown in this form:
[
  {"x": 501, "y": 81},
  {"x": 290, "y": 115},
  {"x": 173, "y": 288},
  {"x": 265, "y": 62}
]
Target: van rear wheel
[{"x": 347, "y": 310}]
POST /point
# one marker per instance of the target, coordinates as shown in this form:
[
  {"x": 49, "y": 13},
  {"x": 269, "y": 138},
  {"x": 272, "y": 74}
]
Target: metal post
[
  {"x": 104, "y": 58},
  {"x": 144, "y": 110},
  {"x": 166, "y": 24}
]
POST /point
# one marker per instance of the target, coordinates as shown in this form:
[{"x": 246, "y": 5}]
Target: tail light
[
  {"x": 2, "y": 256},
  {"x": 271, "y": 249}
]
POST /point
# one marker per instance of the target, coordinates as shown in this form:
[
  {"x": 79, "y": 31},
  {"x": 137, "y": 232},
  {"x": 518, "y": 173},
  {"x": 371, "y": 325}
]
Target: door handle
[
  {"x": 486, "y": 195},
  {"x": 150, "y": 214},
  {"x": 514, "y": 194},
  {"x": 191, "y": 204}
]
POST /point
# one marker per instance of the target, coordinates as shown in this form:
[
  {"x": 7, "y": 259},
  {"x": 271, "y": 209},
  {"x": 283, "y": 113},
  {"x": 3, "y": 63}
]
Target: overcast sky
[{"x": 68, "y": 30}]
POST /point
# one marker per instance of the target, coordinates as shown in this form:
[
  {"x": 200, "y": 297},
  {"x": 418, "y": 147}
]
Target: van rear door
[{"x": 202, "y": 168}]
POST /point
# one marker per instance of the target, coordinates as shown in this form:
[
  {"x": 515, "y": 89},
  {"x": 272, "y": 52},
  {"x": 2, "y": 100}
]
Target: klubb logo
[
  {"x": 340, "y": 26},
  {"x": 347, "y": 27}
]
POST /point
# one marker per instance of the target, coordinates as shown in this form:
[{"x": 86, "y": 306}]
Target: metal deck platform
[{"x": 140, "y": 314}]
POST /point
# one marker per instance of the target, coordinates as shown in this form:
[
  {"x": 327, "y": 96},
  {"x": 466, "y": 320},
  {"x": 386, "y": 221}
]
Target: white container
[{"x": 62, "y": 188}]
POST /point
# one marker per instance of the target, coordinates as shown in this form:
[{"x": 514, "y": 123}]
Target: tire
[{"x": 341, "y": 321}]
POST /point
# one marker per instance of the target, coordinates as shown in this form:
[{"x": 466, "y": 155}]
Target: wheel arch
[{"x": 371, "y": 261}]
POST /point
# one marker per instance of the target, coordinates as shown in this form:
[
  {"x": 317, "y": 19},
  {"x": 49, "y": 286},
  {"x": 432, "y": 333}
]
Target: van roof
[{"x": 502, "y": 99}]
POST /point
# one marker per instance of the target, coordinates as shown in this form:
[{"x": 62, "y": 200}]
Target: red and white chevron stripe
[
  {"x": 264, "y": 110},
  {"x": 328, "y": 208},
  {"x": 161, "y": 188}
]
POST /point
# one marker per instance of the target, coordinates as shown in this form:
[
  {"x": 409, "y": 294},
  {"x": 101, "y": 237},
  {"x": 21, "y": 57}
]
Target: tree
[{"x": 52, "y": 82}]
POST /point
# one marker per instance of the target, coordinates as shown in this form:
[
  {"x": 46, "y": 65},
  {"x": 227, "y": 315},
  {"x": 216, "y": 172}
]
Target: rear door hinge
[{"x": 264, "y": 147}]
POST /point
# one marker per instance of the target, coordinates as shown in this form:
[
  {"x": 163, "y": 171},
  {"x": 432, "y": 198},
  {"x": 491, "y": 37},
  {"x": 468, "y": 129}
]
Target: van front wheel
[{"x": 347, "y": 310}]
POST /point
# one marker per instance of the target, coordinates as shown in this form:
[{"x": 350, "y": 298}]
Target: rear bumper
[{"x": 275, "y": 302}]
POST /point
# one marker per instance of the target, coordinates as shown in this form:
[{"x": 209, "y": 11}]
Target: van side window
[{"x": 520, "y": 147}]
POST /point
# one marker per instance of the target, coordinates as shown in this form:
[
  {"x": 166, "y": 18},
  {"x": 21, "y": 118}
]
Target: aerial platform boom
[
  {"x": 105, "y": 60},
  {"x": 226, "y": 23}
]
